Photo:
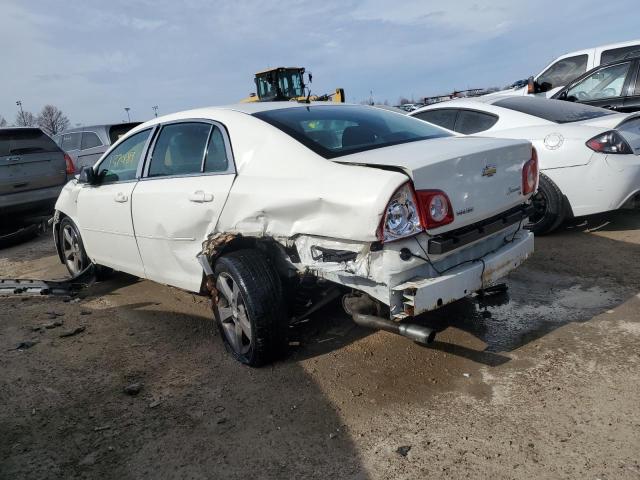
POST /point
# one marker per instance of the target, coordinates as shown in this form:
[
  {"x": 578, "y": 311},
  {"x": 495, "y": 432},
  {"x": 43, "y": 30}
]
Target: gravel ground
[{"x": 541, "y": 383}]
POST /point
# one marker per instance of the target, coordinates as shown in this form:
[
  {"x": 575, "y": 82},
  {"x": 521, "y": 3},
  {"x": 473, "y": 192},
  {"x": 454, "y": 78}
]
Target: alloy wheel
[
  {"x": 232, "y": 314},
  {"x": 72, "y": 250}
]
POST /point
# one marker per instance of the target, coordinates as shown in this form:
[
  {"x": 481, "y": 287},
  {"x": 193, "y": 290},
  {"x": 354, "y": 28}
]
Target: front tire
[
  {"x": 73, "y": 252},
  {"x": 250, "y": 309},
  {"x": 549, "y": 207}
]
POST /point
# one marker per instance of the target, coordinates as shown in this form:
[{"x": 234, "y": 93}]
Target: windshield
[
  {"x": 556, "y": 111},
  {"x": 22, "y": 141},
  {"x": 333, "y": 131}
]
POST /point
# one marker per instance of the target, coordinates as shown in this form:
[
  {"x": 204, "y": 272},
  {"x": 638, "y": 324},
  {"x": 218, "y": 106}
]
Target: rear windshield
[
  {"x": 336, "y": 130},
  {"x": 116, "y": 131},
  {"x": 557, "y": 111},
  {"x": 24, "y": 141}
]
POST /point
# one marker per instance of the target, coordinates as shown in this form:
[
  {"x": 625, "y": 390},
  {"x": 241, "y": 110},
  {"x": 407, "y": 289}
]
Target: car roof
[{"x": 84, "y": 128}]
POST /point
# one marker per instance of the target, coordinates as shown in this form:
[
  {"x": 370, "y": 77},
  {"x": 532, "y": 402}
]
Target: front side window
[
  {"x": 180, "y": 149},
  {"x": 121, "y": 163},
  {"x": 336, "y": 130},
  {"x": 606, "y": 82},
  {"x": 71, "y": 141},
  {"x": 470, "y": 122},
  {"x": 564, "y": 71},
  {"x": 444, "y": 117},
  {"x": 90, "y": 140}
]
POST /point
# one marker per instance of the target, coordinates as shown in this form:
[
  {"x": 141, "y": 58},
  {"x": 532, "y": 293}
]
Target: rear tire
[
  {"x": 250, "y": 310},
  {"x": 549, "y": 207}
]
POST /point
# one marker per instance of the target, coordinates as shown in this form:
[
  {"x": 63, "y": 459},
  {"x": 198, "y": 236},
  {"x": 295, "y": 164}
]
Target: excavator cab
[{"x": 280, "y": 84}]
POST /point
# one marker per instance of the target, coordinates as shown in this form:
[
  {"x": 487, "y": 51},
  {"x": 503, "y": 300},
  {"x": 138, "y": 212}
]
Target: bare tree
[
  {"x": 52, "y": 120},
  {"x": 25, "y": 119},
  {"x": 403, "y": 100},
  {"x": 3, "y": 122}
]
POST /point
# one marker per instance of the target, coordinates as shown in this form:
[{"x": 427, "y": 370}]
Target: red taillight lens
[
  {"x": 71, "y": 168},
  {"x": 530, "y": 174},
  {"x": 435, "y": 208},
  {"x": 609, "y": 142}
]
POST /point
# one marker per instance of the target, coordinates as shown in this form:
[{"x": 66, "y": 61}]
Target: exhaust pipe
[{"x": 356, "y": 306}]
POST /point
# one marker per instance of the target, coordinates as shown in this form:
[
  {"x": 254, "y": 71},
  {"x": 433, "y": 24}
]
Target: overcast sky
[{"x": 93, "y": 58}]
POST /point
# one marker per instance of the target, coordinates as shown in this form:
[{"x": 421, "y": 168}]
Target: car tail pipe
[{"x": 361, "y": 308}]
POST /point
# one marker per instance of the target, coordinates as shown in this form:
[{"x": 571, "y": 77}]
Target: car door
[
  {"x": 604, "y": 87},
  {"x": 104, "y": 209},
  {"x": 91, "y": 149},
  {"x": 185, "y": 185}
]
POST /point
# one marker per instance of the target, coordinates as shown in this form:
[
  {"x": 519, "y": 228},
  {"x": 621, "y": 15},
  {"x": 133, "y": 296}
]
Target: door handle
[
  {"x": 200, "y": 196},
  {"x": 121, "y": 197}
]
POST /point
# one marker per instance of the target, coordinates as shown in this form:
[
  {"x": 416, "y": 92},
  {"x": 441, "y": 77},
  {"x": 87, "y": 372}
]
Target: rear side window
[
  {"x": 25, "y": 141},
  {"x": 90, "y": 140},
  {"x": 563, "y": 71},
  {"x": 216, "y": 160},
  {"x": 180, "y": 149},
  {"x": 616, "y": 54},
  {"x": 557, "y": 111},
  {"x": 443, "y": 117},
  {"x": 470, "y": 121},
  {"x": 71, "y": 141},
  {"x": 121, "y": 163}
]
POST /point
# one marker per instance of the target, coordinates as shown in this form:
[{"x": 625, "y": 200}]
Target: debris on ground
[
  {"x": 85, "y": 312},
  {"x": 133, "y": 389},
  {"x": 403, "y": 450},
  {"x": 25, "y": 345},
  {"x": 155, "y": 403},
  {"x": 72, "y": 332},
  {"x": 103, "y": 427}
]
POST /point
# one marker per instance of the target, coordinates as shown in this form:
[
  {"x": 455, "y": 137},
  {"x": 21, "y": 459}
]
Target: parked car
[
  {"x": 566, "y": 68},
  {"x": 588, "y": 156},
  {"x": 86, "y": 145},
  {"x": 33, "y": 170},
  {"x": 614, "y": 86},
  {"x": 257, "y": 202}
]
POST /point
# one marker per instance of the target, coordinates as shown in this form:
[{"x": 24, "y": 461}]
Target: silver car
[{"x": 86, "y": 145}]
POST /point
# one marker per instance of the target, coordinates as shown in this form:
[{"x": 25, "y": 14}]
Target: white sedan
[
  {"x": 589, "y": 157},
  {"x": 272, "y": 208}
]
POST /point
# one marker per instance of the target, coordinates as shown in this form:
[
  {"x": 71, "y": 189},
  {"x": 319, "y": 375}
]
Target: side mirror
[
  {"x": 87, "y": 176},
  {"x": 531, "y": 86},
  {"x": 544, "y": 87}
]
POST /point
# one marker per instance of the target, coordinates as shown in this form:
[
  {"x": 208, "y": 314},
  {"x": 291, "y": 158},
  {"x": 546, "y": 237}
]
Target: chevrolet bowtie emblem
[{"x": 489, "y": 171}]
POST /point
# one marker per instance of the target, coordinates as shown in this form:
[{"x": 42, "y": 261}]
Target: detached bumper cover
[{"x": 425, "y": 294}]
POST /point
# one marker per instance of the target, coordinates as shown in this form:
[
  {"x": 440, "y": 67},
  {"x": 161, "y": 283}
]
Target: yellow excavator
[{"x": 287, "y": 83}]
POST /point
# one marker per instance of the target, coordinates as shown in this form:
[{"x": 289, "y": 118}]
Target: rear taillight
[
  {"x": 435, "y": 208},
  {"x": 609, "y": 142},
  {"x": 530, "y": 174},
  {"x": 71, "y": 168},
  {"x": 401, "y": 218},
  {"x": 410, "y": 212}
]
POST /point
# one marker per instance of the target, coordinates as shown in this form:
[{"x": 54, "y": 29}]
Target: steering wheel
[
  {"x": 608, "y": 92},
  {"x": 582, "y": 96}
]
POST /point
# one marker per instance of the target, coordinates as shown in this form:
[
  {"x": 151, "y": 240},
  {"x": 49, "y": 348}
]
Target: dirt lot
[{"x": 541, "y": 384}]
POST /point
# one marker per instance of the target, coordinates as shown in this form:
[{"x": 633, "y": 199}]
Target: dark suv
[
  {"x": 33, "y": 170},
  {"x": 615, "y": 86}
]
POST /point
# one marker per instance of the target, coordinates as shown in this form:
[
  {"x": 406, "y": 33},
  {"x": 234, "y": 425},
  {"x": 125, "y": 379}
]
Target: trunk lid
[
  {"x": 481, "y": 176},
  {"x": 29, "y": 160}
]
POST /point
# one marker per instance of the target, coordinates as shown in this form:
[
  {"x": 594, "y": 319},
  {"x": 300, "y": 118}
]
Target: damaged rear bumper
[{"x": 420, "y": 295}]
